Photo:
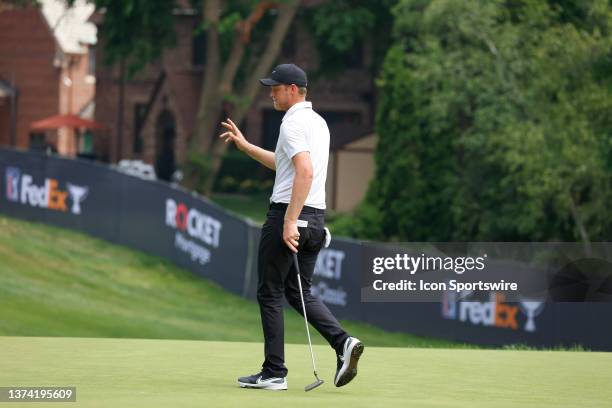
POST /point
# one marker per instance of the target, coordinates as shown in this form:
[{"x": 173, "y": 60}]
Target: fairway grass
[
  {"x": 57, "y": 282},
  {"x": 132, "y": 330},
  {"x": 182, "y": 373}
]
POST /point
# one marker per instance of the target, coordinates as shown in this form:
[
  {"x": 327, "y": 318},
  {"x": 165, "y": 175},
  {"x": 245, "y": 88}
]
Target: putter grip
[{"x": 295, "y": 261}]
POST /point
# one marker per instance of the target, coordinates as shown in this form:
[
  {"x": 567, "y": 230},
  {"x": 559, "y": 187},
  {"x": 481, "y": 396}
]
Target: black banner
[
  {"x": 168, "y": 221},
  {"x": 150, "y": 216}
]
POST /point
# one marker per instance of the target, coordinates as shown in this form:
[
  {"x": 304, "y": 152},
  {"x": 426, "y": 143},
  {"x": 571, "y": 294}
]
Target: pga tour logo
[
  {"x": 21, "y": 189},
  {"x": 12, "y": 184}
]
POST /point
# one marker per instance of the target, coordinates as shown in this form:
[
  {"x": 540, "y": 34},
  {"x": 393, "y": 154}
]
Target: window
[{"x": 140, "y": 110}]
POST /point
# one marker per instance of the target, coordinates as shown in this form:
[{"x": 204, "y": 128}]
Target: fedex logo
[
  {"x": 20, "y": 188},
  {"x": 494, "y": 313}
]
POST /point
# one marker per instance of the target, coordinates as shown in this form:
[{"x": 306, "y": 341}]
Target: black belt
[{"x": 306, "y": 209}]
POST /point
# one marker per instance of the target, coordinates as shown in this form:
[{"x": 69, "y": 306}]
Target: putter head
[{"x": 313, "y": 385}]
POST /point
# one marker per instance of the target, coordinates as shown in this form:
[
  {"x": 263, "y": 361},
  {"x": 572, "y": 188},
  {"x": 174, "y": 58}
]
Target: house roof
[
  {"x": 67, "y": 120},
  {"x": 70, "y": 25}
]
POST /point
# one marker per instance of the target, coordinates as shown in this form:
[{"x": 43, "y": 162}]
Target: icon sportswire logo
[{"x": 21, "y": 189}]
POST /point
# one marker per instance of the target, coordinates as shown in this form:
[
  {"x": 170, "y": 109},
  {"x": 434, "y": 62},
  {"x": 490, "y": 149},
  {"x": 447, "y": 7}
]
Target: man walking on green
[{"x": 295, "y": 224}]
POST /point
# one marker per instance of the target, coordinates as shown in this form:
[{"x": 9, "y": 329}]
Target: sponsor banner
[
  {"x": 206, "y": 239},
  {"x": 97, "y": 206},
  {"x": 328, "y": 270},
  {"x": 64, "y": 192},
  {"x": 185, "y": 228},
  {"x": 13, "y": 166},
  {"x": 21, "y": 189},
  {"x": 335, "y": 279},
  {"x": 146, "y": 215}
]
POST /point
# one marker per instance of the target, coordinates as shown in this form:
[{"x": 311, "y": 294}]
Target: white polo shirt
[{"x": 302, "y": 130}]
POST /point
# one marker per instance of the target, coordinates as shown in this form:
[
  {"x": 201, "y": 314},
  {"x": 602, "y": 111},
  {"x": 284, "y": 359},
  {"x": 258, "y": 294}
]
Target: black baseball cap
[{"x": 286, "y": 74}]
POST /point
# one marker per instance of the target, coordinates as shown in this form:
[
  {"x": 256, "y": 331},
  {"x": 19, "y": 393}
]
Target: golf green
[{"x": 188, "y": 373}]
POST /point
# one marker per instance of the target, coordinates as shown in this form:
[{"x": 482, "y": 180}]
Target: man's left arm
[{"x": 299, "y": 193}]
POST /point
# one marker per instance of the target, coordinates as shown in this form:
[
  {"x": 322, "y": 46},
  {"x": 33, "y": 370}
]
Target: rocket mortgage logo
[
  {"x": 192, "y": 229},
  {"x": 21, "y": 189}
]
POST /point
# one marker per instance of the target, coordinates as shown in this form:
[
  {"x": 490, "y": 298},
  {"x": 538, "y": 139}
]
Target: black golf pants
[{"x": 277, "y": 277}]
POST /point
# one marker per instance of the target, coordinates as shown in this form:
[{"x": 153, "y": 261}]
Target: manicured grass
[
  {"x": 56, "y": 282},
  {"x": 173, "y": 373},
  {"x": 80, "y": 292}
]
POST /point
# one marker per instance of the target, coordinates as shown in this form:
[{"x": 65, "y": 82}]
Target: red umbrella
[{"x": 67, "y": 120}]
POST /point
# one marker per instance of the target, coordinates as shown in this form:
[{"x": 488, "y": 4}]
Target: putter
[{"x": 314, "y": 367}]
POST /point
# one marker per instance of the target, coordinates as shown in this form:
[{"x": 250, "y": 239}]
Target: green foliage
[
  {"x": 136, "y": 31},
  {"x": 366, "y": 226},
  {"x": 494, "y": 122},
  {"x": 252, "y": 206},
  {"x": 238, "y": 174},
  {"x": 197, "y": 169},
  {"x": 341, "y": 23},
  {"x": 341, "y": 26},
  {"x": 241, "y": 174},
  {"x": 229, "y": 184}
]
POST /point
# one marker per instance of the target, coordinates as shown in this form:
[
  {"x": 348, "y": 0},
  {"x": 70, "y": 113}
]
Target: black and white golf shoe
[
  {"x": 347, "y": 361},
  {"x": 263, "y": 382}
]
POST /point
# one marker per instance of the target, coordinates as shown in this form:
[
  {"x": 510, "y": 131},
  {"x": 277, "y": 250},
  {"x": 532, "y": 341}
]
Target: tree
[
  {"x": 493, "y": 124},
  {"x": 221, "y": 76},
  {"x": 337, "y": 24},
  {"x": 243, "y": 40}
]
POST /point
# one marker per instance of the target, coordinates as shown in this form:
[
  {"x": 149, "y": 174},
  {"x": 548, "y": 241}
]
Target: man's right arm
[
  {"x": 263, "y": 156},
  {"x": 234, "y": 134}
]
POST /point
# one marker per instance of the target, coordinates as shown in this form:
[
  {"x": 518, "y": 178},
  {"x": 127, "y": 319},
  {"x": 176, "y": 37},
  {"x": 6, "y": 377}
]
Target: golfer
[{"x": 294, "y": 224}]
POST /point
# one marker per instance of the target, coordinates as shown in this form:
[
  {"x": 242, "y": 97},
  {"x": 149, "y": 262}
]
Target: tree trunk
[
  {"x": 581, "y": 228},
  {"x": 209, "y": 107},
  {"x": 281, "y": 27}
]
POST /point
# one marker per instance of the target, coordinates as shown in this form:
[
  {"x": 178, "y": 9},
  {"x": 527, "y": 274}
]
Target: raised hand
[{"x": 234, "y": 134}]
